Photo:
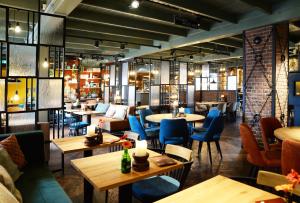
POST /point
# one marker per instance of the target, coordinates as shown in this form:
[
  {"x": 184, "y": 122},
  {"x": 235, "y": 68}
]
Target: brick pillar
[{"x": 264, "y": 73}]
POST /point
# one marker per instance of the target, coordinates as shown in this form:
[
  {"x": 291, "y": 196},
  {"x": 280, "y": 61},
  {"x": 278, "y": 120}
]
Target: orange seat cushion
[{"x": 12, "y": 147}]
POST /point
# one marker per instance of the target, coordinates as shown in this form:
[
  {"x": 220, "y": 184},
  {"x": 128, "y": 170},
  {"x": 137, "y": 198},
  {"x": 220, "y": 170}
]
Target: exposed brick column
[{"x": 262, "y": 62}]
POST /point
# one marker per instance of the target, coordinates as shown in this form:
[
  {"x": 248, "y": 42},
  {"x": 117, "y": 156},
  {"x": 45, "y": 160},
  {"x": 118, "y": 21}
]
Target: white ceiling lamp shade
[
  {"x": 134, "y": 4},
  {"x": 18, "y": 28},
  {"x": 45, "y": 63}
]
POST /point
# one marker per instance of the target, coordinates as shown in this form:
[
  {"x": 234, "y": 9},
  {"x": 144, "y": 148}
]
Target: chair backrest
[
  {"x": 215, "y": 128},
  {"x": 234, "y": 106},
  {"x": 171, "y": 129},
  {"x": 213, "y": 112},
  {"x": 136, "y": 127},
  {"x": 222, "y": 107},
  {"x": 132, "y": 135},
  {"x": 186, "y": 156},
  {"x": 251, "y": 146},
  {"x": 188, "y": 110},
  {"x": 143, "y": 113},
  {"x": 290, "y": 156},
  {"x": 268, "y": 125}
]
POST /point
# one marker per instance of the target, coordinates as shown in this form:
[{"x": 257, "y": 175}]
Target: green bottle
[{"x": 126, "y": 162}]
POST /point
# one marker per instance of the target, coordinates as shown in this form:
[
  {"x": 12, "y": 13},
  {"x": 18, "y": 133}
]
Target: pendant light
[
  {"x": 45, "y": 63},
  {"x": 18, "y": 28},
  {"x": 134, "y": 4},
  {"x": 16, "y": 96}
]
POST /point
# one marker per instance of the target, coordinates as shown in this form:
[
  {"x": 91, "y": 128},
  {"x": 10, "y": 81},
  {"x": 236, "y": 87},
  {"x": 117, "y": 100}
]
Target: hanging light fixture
[
  {"x": 191, "y": 57},
  {"x": 16, "y": 96},
  {"x": 96, "y": 44},
  {"x": 45, "y": 63},
  {"x": 134, "y": 4},
  {"x": 18, "y": 28}
]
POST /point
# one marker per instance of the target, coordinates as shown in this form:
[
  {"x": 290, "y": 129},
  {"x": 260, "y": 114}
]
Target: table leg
[
  {"x": 88, "y": 153},
  {"x": 125, "y": 193},
  {"x": 88, "y": 192},
  {"x": 63, "y": 163},
  {"x": 89, "y": 119}
]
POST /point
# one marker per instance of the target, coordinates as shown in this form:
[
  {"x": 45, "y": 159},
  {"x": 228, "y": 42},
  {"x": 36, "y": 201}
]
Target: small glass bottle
[{"x": 125, "y": 162}]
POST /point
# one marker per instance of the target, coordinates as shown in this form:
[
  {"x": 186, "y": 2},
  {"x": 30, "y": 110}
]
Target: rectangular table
[
  {"x": 219, "y": 189},
  {"x": 76, "y": 144},
  {"x": 103, "y": 172}
]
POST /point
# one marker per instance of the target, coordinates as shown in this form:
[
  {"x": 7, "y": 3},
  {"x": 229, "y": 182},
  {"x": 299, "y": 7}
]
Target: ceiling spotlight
[
  {"x": 191, "y": 57},
  {"x": 96, "y": 44},
  {"x": 18, "y": 28},
  {"x": 134, "y": 4},
  {"x": 122, "y": 46},
  {"x": 45, "y": 63},
  {"x": 80, "y": 57}
]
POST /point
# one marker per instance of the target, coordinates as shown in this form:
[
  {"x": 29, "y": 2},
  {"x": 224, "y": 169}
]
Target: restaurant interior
[{"x": 149, "y": 101}]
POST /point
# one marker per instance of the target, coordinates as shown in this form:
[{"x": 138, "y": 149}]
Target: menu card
[{"x": 163, "y": 160}]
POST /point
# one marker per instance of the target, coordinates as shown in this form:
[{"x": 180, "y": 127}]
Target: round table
[
  {"x": 291, "y": 133},
  {"x": 156, "y": 118}
]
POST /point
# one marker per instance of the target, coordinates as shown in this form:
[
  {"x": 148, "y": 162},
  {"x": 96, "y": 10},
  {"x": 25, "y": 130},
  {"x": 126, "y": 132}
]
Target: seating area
[{"x": 135, "y": 101}]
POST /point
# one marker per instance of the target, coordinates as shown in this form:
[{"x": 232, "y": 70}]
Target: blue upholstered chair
[
  {"x": 173, "y": 131},
  {"x": 136, "y": 127},
  {"x": 158, "y": 187},
  {"x": 213, "y": 112},
  {"x": 75, "y": 126},
  {"x": 146, "y": 112},
  {"x": 212, "y": 134},
  {"x": 190, "y": 125}
]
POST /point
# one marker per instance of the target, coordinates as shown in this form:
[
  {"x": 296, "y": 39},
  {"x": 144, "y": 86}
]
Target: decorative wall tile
[
  {"x": 52, "y": 30},
  {"x": 50, "y": 93},
  {"x": 21, "y": 119},
  {"x": 22, "y": 60}
]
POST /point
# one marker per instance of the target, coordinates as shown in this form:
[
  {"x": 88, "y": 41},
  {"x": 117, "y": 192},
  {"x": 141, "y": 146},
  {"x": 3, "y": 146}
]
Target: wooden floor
[{"x": 233, "y": 164}]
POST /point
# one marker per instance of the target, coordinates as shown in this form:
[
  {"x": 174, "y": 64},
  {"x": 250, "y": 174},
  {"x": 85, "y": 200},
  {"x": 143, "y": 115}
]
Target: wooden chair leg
[
  {"x": 209, "y": 152},
  {"x": 219, "y": 148},
  {"x": 106, "y": 196},
  {"x": 200, "y": 148}
]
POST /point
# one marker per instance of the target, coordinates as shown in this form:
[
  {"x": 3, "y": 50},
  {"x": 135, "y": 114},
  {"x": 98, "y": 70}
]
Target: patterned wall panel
[
  {"x": 52, "y": 30},
  {"x": 50, "y": 93},
  {"x": 21, "y": 119}
]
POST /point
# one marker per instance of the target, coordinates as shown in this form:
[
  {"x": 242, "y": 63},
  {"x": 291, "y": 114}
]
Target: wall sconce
[{"x": 45, "y": 63}]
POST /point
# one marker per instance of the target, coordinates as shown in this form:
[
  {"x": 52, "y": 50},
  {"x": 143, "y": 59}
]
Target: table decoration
[
  {"x": 126, "y": 160},
  {"x": 140, "y": 156},
  {"x": 92, "y": 138},
  {"x": 294, "y": 178}
]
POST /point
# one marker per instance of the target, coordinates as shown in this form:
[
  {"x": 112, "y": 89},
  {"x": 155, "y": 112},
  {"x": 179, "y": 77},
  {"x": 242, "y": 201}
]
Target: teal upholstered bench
[{"x": 37, "y": 184}]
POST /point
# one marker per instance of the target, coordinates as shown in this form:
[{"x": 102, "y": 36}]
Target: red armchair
[
  {"x": 268, "y": 125},
  {"x": 290, "y": 156}
]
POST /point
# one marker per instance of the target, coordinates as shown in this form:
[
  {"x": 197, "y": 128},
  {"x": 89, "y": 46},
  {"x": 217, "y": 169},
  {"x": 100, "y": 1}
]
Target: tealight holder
[{"x": 140, "y": 163}]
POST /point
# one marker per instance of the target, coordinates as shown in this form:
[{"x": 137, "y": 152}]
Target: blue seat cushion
[
  {"x": 79, "y": 125},
  {"x": 152, "y": 132},
  {"x": 200, "y": 129},
  {"x": 102, "y": 108},
  {"x": 155, "y": 188},
  {"x": 201, "y": 136}
]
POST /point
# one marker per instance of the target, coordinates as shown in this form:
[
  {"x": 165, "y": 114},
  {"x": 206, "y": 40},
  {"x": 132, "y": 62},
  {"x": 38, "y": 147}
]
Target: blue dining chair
[
  {"x": 75, "y": 125},
  {"x": 151, "y": 126},
  {"x": 190, "y": 124},
  {"x": 212, "y": 134},
  {"x": 173, "y": 131},
  {"x": 136, "y": 127},
  {"x": 158, "y": 187},
  {"x": 213, "y": 112}
]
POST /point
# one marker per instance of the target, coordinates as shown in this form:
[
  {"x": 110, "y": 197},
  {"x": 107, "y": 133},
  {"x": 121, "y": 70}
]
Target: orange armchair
[
  {"x": 268, "y": 125},
  {"x": 290, "y": 156}
]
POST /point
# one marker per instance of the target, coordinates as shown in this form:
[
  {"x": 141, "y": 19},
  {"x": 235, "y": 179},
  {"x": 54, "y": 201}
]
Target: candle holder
[{"x": 140, "y": 163}]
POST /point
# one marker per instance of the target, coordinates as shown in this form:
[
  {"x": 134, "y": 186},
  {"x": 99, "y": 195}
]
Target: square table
[
  {"x": 219, "y": 189},
  {"x": 76, "y": 144},
  {"x": 103, "y": 172}
]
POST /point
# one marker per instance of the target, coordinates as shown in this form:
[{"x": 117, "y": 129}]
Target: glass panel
[
  {"x": 52, "y": 30},
  {"x": 3, "y": 60},
  {"x": 2, "y": 23},
  {"x": 155, "y": 73},
  {"x": 154, "y": 97},
  {"x": 204, "y": 84},
  {"x": 125, "y": 73},
  {"x": 165, "y": 72},
  {"x": 106, "y": 95},
  {"x": 231, "y": 82},
  {"x": 50, "y": 93},
  {"x": 183, "y": 73},
  {"x": 125, "y": 94},
  {"x": 31, "y": 94},
  {"x": 191, "y": 91},
  {"x": 205, "y": 70},
  {"x": 198, "y": 84},
  {"x": 213, "y": 81},
  {"x": 131, "y": 96},
  {"x": 22, "y": 60},
  {"x": 21, "y": 119},
  {"x": 16, "y": 94},
  {"x": 2, "y": 94},
  {"x": 112, "y": 75}
]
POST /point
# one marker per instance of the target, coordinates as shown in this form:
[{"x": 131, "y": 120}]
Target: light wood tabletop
[
  {"x": 76, "y": 144},
  {"x": 104, "y": 171},
  {"x": 219, "y": 189},
  {"x": 156, "y": 118},
  {"x": 210, "y": 103},
  {"x": 291, "y": 133}
]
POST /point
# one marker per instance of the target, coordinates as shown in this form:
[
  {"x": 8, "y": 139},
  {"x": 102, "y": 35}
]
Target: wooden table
[
  {"x": 81, "y": 113},
  {"x": 103, "y": 172},
  {"x": 219, "y": 189},
  {"x": 211, "y": 103},
  {"x": 76, "y": 144},
  {"x": 156, "y": 118},
  {"x": 291, "y": 133}
]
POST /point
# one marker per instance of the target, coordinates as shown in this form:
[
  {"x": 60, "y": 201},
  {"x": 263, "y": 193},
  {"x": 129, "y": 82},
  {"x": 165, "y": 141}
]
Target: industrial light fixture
[
  {"x": 16, "y": 96},
  {"x": 18, "y": 28},
  {"x": 122, "y": 46},
  {"x": 80, "y": 57},
  {"x": 134, "y": 4},
  {"x": 96, "y": 44},
  {"x": 191, "y": 57},
  {"x": 45, "y": 63}
]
